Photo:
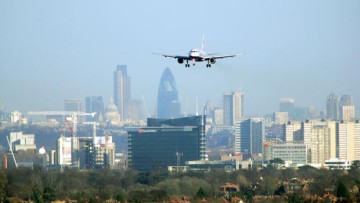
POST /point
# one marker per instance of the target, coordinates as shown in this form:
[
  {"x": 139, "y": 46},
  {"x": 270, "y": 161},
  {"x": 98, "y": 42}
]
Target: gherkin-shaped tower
[{"x": 168, "y": 105}]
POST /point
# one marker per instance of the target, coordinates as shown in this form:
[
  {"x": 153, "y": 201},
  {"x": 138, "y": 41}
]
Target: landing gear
[
  {"x": 187, "y": 65},
  {"x": 208, "y": 65}
]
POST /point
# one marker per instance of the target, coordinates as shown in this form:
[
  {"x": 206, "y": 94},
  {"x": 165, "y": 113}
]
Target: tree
[
  {"x": 342, "y": 191},
  {"x": 270, "y": 185},
  {"x": 355, "y": 165},
  {"x": 36, "y": 195},
  {"x": 200, "y": 193},
  {"x": 120, "y": 198},
  {"x": 48, "y": 194},
  {"x": 3, "y": 184},
  {"x": 277, "y": 161}
]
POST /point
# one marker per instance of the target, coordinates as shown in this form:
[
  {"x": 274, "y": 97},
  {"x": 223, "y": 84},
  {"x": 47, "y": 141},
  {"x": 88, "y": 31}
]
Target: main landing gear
[{"x": 208, "y": 65}]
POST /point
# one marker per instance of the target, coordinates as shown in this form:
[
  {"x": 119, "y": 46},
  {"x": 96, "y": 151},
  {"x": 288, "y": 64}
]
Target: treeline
[{"x": 40, "y": 185}]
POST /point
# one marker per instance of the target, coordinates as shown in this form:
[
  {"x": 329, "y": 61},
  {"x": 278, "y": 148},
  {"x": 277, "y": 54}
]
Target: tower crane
[{"x": 70, "y": 116}]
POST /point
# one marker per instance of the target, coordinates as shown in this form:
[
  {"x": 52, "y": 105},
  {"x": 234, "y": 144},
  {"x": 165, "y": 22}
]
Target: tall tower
[
  {"x": 346, "y": 108},
  {"x": 332, "y": 104},
  {"x": 287, "y": 105},
  {"x": 122, "y": 91},
  {"x": 168, "y": 105},
  {"x": 233, "y": 107}
]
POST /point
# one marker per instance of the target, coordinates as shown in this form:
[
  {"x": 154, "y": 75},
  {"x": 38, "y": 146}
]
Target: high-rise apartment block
[
  {"x": 233, "y": 108},
  {"x": 122, "y": 91},
  {"x": 347, "y": 140}
]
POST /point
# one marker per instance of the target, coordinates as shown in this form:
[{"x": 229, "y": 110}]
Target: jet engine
[
  {"x": 180, "y": 60},
  {"x": 212, "y": 60}
]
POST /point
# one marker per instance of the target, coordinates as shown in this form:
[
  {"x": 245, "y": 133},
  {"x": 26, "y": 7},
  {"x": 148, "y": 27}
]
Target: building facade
[
  {"x": 249, "y": 136},
  {"x": 166, "y": 142}
]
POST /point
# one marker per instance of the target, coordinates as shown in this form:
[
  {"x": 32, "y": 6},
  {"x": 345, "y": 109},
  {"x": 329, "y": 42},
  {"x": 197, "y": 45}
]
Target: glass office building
[{"x": 166, "y": 142}]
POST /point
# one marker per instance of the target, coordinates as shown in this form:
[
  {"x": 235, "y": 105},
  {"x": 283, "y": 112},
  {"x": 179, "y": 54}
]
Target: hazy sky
[{"x": 52, "y": 50}]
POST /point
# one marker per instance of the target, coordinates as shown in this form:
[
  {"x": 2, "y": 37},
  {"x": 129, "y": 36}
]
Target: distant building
[
  {"x": 293, "y": 131},
  {"x": 16, "y": 117},
  {"x": 249, "y": 136},
  {"x": 94, "y": 104},
  {"x": 347, "y": 113},
  {"x": 63, "y": 151},
  {"x": 122, "y": 91},
  {"x": 287, "y": 105},
  {"x": 136, "y": 110},
  {"x": 332, "y": 107},
  {"x": 295, "y": 153},
  {"x": 168, "y": 105},
  {"x": 166, "y": 142},
  {"x": 233, "y": 108},
  {"x": 346, "y": 108},
  {"x": 348, "y": 140},
  {"x": 74, "y": 105},
  {"x": 112, "y": 116},
  {"x": 22, "y": 142},
  {"x": 218, "y": 116},
  {"x": 88, "y": 152},
  {"x": 281, "y": 117}
]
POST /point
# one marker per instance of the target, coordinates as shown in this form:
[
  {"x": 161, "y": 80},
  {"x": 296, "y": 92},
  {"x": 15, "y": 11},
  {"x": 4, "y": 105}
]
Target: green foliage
[
  {"x": 36, "y": 195},
  {"x": 3, "y": 184},
  {"x": 342, "y": 191},
  {"x": 295, "y": 198},
  {"x": 277, "y": 161},
  {"x": 49, "y": 194},
  {"x": 120, "y": 197},
  {"x": 355, "y": 165},
  {"x": 270, "y": 185},
  {"x": 201, "y": 193}
]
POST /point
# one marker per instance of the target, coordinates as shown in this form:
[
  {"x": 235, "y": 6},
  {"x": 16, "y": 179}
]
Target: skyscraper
[
  {"x": 347, "y": 108},
  {"x": 94, "y": 104},
  {"x": 332, "y": 107},
  {"x": 287, "y": 105},
  {"x": 168, "y": 105},
  {"x": 122, "y": 91},
  {"x": 233, "y": 108},
  {"x": 249, "y": 136}
]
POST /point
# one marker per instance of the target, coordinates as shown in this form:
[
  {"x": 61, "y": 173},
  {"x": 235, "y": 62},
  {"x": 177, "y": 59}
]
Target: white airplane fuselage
[{"x": 197, "y": 55}]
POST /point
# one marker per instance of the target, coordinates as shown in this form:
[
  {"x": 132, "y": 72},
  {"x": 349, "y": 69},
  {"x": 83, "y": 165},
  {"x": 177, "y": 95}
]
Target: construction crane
[{"x": 70, "y": 116}]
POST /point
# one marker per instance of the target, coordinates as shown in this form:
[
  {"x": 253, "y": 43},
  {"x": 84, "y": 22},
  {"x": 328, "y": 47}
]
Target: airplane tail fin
[{"x": 203, "y": 43}]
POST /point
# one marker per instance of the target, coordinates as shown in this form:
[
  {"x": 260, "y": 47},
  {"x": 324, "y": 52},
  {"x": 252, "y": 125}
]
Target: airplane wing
[
  {"x": 221, "y": 56},
  {"x": 174, "y": 56}
]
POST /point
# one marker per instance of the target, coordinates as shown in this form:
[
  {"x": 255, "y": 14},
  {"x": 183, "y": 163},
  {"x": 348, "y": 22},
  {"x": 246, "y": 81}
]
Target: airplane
[{"x": 199, "y": 55}]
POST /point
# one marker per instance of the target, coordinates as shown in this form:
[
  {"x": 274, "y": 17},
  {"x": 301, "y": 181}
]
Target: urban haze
[{"x": 88, "y": 112}]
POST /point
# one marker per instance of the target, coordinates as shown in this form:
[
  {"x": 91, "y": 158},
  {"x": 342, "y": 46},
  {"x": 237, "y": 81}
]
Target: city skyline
[{"x": 294, "y": 50}]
